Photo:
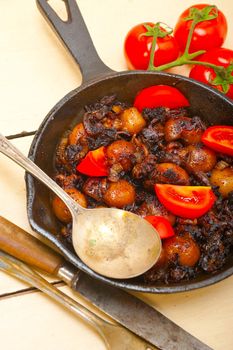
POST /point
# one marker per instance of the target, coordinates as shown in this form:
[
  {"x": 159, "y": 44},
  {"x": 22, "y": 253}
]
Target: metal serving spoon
[
  {"x": 114, "y": 336},
  {"x": 112, "y": 242}
]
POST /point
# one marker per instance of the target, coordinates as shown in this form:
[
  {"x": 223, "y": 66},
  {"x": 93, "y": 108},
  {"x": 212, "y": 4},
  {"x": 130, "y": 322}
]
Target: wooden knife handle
[{"x": 22, "y": 245}]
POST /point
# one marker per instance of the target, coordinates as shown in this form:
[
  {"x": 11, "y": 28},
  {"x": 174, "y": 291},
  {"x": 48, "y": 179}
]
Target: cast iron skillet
[{"x": 99, "y": 80}]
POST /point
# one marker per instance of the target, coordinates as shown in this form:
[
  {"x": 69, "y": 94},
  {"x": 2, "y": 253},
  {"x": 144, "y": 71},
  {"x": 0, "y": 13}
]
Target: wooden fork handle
[{"x": 19, "y": 243}]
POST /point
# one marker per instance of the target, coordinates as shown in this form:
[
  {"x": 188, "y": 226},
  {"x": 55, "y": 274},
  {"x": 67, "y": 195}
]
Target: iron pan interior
[{"x": 208, "y": 103}]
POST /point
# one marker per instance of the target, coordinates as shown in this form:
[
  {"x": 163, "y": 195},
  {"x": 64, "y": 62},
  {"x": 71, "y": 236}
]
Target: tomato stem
[
  {"x": 197, "y": 16},
  {"x": 157, "y": 31},
  {"x": 152, "y": 54},
  {"x": 206, "y": 64},
  {"x": 184, "y": 59},
  {"x": 190, "y": 35}
]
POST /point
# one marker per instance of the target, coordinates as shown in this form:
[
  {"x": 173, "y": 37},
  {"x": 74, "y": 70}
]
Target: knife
[{"x": 124, "y": 308}]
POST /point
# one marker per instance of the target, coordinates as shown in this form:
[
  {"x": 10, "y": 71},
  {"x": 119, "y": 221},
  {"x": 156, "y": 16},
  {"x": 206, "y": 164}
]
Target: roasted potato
[
  {"x": 119, "y": 194},
  {"x": 60, "y": 209}
]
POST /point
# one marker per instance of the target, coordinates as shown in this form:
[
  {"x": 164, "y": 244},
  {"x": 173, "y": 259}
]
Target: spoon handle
[
  {"x": 7, "y": 148},
  {"x": 18, "y": 269}
]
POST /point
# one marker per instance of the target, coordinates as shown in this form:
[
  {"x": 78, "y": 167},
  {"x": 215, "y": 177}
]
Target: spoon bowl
[
  {"x": 112, "y": 242},
  {"x": 115, "y": 242}
]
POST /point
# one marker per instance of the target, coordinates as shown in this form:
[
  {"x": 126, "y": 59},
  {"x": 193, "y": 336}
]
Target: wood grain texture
[
  {"x": 36, "y": 72},
  {"x": 17, "y": 242}
]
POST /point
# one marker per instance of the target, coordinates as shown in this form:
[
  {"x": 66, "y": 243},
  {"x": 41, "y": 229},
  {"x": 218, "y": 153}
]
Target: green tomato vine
[{"x": 159, "y": 30}]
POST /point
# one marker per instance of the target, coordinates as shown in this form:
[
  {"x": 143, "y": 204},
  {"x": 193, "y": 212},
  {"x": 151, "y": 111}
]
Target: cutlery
[
  {"x": 114, "y": 336},
  {"x": 112, "y": 242},
  {"x": 124, "y": 308}
]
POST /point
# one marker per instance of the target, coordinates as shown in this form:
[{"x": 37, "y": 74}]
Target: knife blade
[{"x": 126, "y": 309}]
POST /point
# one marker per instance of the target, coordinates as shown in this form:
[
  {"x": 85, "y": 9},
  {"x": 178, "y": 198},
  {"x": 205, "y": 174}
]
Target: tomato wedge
[
  {"x": 186, "y": 201},
  {"x": 162, "y": 225},
  {"x": 94, "y": 163},
  {"x": 219, "y": 138},
  {"x": 160, "y": 96}
]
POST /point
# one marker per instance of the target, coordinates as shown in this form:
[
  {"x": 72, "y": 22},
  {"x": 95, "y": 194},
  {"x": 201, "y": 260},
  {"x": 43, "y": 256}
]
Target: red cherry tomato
[
  {"x": 186, "y": 201},
  {"x": 220, "y": 57},
  {"x": 219, "y": 138},
  {"x": 160, "y": 96},
  {"x": 137, "y": 48},
  {"x": 207, "y": 34},
  {"x": 162, "y": 225},
  {"x": 94, "y": 163}
]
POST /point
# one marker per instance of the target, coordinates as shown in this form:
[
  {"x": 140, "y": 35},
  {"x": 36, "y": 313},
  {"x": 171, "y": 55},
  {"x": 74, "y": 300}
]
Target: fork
[{"x": 115, "y": 336}]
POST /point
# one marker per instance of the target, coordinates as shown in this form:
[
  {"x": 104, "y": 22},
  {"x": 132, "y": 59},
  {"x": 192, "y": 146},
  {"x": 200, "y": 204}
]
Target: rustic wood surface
[{"x": 36, "y": 72}]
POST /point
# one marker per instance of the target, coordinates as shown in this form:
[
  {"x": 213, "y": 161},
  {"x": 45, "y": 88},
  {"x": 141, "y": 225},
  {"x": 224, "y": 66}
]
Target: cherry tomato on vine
[
  {"x": 160, "y": 96},
  {"x": 219, "y": 138},
  {"x": 162, "y": 225},
  {"x": 137, "y": 48},
  {"x": 207, "y": 34},
  {"x": 94, "y": 163},
  {"x": 186, "y": 201},
  {"x": 220, "y": 57}
]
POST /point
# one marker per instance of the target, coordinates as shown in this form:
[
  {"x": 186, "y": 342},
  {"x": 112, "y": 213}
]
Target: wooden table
[{"x": 35, "y": 73}]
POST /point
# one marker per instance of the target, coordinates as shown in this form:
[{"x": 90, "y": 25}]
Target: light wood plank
[
  {"x": 206, "y": 313},
  {"x": 13, "y": 204},
  {"x": 35, "y": 73},
  {"x": 33, "y": 320}
]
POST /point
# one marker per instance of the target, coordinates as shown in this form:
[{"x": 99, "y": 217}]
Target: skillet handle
[{"x": 75, "y": 36}]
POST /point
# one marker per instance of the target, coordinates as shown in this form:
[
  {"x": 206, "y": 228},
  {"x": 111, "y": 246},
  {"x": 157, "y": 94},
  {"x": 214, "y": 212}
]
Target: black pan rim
[{"x": 126, "y": 284}]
